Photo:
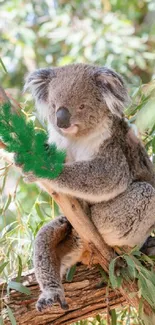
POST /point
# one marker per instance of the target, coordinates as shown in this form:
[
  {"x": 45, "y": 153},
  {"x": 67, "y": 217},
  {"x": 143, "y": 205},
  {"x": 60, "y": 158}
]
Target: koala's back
[{"x": 140, "y": 166}]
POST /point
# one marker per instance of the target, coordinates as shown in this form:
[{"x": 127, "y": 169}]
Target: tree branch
[{"x": 84, "y": 299}]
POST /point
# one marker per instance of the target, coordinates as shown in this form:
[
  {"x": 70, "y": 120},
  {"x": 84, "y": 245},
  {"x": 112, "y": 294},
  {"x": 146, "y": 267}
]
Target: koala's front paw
[
  {"x": 29, "y": 177},
  {"x": 50, "y": 297}
]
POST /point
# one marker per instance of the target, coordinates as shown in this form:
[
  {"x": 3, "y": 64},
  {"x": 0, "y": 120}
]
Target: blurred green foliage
[
  {"x": 56, "y": 32},
  {"x": 117, "y": 33}
]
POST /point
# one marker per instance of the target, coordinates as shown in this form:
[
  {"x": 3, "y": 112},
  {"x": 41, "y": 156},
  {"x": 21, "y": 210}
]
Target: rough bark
[{"x": 84, "y": 297}]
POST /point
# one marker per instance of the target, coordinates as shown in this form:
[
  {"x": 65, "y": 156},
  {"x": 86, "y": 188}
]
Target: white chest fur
[{"x": 81, "y": 149}]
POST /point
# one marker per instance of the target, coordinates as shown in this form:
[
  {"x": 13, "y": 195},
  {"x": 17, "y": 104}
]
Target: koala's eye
[
  {"x": 53, "y": 105},
  {"x": 81, "y": 107}
]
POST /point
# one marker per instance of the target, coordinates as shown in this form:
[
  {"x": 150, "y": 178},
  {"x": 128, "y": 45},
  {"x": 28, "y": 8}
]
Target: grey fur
[{"x": 107, "y": 168}]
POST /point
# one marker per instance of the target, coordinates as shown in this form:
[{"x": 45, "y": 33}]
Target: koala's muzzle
[{"x": 63, "y": 118}]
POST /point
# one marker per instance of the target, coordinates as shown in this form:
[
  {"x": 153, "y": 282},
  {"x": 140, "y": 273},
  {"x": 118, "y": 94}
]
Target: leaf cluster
[
  {"x": 29, "y": 145},
  {"x": 140, "y": 268}
]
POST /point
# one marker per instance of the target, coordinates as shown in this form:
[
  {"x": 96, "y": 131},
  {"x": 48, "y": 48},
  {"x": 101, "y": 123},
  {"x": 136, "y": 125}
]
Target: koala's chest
[
  {"x": 78, "y": 150},
  {"x": 81, "y": 150}
]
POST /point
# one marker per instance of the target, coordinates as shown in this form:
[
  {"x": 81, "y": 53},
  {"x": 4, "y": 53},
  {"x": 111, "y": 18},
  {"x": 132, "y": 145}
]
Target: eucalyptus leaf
[
  {"x": 136, "y": 253},
  {"x": 147, "y": 290},
  {"x": 19, "y": 287},
  {"x": 39, "y": 211},
  {"x": 113, "y": 317},
  {"x": 103, "y": 274},
  {"x": 1, "y": 321},
  {"x": 19, "y": 268},
  {"x": 150, "y": 275},
  {"x": 112, "y": 276},
  {"x": 98, "y": 318},
  {"x": 7, "y": 203},
  {"x": 131, "y": 268},
  {"x": 3, "y": 66},
  {"x": 147, "y": 259},
  {"x": 70, "y": 273},
  {"x": 11, "y": 316},
  {"x": 2, "y": 266}
]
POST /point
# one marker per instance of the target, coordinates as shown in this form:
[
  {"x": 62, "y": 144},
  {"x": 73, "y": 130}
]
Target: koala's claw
[
  {"x": 47, "y": 300},
  {"x": 62, "y": 303},
  {"x": 43, "y": 303}
]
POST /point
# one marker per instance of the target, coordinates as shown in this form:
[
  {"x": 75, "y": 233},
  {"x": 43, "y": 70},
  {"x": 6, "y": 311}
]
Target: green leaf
[
  {"x": 11, "y": 316},
  {"x": 131, "y": 268},
  {"x": 147, "y": 259},
  {"x": 123, "y": 314},
  {"x": 112, "y": 276},
  {"x": 98, "y": 318},
  {"x": 4, "y": 181},
  {"x": 30, "y": 145},
  {"x": 140, "y": 307},
  {"x": 113, "y": 317},
  {"x": 153, "y": 145},
  {"x": 3, "y": 66},
  {"x": 7, "y": 203},
  {"x": 70, "y": 273},
  {"x": 136, "y": 253},
  {"x": 39, "y": 212},
  {"x": 125, "y": 274},
  {"x": 19, "y": 287},
  {"x": 150, "y": 275},
  {"x": 119, "y": 281},
  {"x": 19, "y": 268},
  {"x": 148, "y": 291},
  {"x": 137, "y": 262},
  {"x": 103, "y": 274},
  {"x": 2, "y": 266}
]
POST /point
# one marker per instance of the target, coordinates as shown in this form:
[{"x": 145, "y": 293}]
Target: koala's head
[{"x": 76, "y": 99}]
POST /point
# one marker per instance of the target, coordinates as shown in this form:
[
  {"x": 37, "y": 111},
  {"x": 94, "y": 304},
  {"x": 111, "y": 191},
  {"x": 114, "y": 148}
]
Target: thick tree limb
[
  {"x": 84, "y": 299},
  {"x": 86, "y": 229}
]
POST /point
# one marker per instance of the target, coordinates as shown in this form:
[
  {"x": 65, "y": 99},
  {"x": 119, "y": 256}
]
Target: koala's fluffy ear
[
  {"x": 113, "y": 90},
  {"x": 38, "y": 83}
]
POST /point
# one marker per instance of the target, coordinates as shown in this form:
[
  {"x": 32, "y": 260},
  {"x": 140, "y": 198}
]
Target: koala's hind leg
[{"x": 56, "y": 248}]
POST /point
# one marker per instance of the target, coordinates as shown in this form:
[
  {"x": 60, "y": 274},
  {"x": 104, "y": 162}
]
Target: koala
[{"x": 107, "y": 168}]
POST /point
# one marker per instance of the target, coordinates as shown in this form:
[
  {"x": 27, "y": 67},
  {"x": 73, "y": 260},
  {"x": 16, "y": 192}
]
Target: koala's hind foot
[
  {"x": 57, "y": 247},
  {"x": 50, "y": 297}
]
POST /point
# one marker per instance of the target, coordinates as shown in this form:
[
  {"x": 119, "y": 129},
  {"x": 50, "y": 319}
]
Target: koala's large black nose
[{"x": 63, "y": 117}]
